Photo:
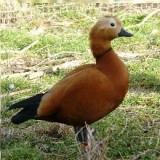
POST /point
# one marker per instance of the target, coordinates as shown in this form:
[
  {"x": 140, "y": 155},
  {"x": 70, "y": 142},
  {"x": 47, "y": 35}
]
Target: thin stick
[
  {"x": 21, "y": 51},
  {"x": 29, "y": 46},
  {"x": 14, "y": 93},
  {"x": 144, "y": 20},
  {"x": 32, "y": 75}
]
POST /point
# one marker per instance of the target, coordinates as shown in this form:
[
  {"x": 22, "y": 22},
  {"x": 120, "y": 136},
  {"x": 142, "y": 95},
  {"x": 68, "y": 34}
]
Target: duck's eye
[{"x": 112, "y": 24}]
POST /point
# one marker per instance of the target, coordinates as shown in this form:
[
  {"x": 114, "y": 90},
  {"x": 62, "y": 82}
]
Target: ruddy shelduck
[{"x": 89, "y": 92}]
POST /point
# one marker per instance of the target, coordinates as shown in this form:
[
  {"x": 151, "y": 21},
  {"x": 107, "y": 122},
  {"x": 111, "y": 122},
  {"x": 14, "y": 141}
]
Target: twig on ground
[
  {"x": 48, "y": 70},
  {"x": 21, "y": 51},
  {"x": 144, "y": 20},
  {"x": 87, "y": 17},
  {"x": 142, "y": 153},
  {"x": 124, "y": 127},
  {"x": 15, "y": 93},
  {"x": 29, "y": 46}
]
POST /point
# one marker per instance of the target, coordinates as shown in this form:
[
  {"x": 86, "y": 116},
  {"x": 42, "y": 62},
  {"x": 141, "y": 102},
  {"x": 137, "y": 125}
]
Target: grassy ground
[{"x": 132, "y": 131}]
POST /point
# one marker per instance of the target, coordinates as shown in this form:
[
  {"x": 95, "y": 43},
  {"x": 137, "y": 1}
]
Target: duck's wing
[{"x": 85, "y": 93}]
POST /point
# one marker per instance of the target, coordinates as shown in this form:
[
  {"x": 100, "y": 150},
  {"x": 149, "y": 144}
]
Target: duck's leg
[
  {"x": 81, "y": 135},
  {"x": 85, "y": 136}
]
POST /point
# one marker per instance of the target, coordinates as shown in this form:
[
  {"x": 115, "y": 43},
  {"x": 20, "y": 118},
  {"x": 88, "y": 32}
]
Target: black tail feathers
[{"x": 29, "y": 110}]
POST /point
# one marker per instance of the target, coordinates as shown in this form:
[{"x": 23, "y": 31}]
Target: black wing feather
[
  {"x": 29, "y": 102},
  {"x": 29, "y": 110}
]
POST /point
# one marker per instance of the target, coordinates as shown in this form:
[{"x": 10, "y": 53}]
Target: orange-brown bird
[{"x": 89, "y": 92}]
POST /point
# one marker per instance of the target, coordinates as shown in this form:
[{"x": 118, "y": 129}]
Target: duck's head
[{"x": 107, "y": 29}]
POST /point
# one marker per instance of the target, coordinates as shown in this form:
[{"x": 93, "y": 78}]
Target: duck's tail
[{"x": 29, "y": 110}]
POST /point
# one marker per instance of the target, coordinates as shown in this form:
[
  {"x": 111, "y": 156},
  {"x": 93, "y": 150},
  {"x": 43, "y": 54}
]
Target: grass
[{"x": 132, "y": 129}]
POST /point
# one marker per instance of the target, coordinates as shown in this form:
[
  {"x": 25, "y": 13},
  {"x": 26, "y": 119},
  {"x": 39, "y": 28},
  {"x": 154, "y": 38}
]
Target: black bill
[{"x": 124, "y": 33}]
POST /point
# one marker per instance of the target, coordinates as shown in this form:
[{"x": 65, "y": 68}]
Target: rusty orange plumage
[{"x": 89, "y": 92}]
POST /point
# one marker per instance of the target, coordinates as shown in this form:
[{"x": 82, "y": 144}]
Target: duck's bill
[{"x": 124, "y": 33}]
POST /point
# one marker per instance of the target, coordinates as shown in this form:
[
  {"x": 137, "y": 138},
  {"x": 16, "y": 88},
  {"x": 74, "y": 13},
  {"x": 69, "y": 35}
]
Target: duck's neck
[
  {"x": 99, "y": 47},
  {"x": 113, "y": 67}
]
